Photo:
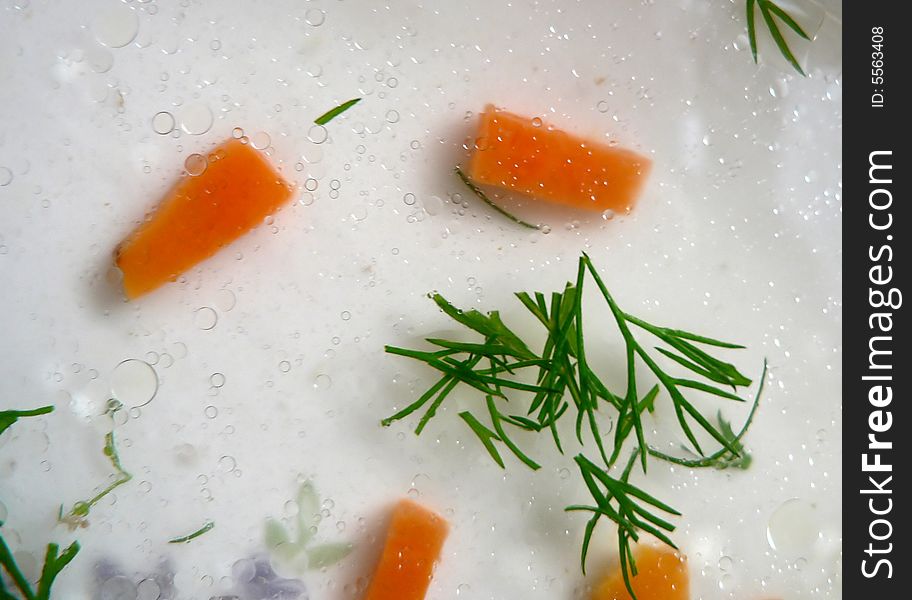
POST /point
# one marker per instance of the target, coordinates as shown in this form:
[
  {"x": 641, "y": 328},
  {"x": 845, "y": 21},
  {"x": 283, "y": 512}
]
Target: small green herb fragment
[
  {"x": 484, "y": 198},
  {"x": 9, "y": 417},
  {"x": 742, "y": 460},
  {"x": 208, "y": 526},
  {"x": 723, "y": 458},
  {"x": 770, "y": 11},
  {"x": 77, "y": 515},
  {"x": 335, "y": 112},
  {"x": 54, "y": 563}
]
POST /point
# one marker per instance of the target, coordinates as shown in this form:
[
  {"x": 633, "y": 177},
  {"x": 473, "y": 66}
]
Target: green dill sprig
[
  {"x": 542, "y": 387},
  {"x": 617, "y": 500},
  {"x": 484, "y": 198},
  {"x": 77, "y": 516},
  {"x": 54, "y": 560},
  {"x": 335, "y": 112},
  {"x": 770, "y": 11},
  {"x": 208, "y": 526},
  {"x": 9, "y": 417},
  {"x": 54, "y": 563}
]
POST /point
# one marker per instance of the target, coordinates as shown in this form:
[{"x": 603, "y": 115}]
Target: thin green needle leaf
[
  {"x": 777, "y": 36},
  {"x": 208, "y": 526},
  {"x": 485, "y": 435},
  {"x": 9, "y": 417},
  {"x": 752, "y": 28},
  {"x": 335, "y": 112},
  {"x": 788, "y": 20},
  {"x": 587, "y": 537},
  {"x": 487, "y": 349},
  {"x": 418, "y": 403},
  {"x": 484, "y": 198},
  {"x": 495, "y": 421},
  {"x": 440, "y": 398},
  {"x": 9, "y": 563},
  {"x": 709, "y": 389},
  {"x": 694, "y": 367}
]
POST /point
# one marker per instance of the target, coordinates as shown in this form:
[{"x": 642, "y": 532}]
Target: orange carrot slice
[
  {"x": 527, "y": 156},
  {"x": 661, "y": 575},
  {"x": 199, "y": 216},
  {"x": 413, "y": 545}
]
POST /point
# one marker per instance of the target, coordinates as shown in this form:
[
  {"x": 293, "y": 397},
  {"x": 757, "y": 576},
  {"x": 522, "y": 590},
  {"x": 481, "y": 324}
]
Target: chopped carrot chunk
[
  {"x": 201, "y": 215},
  {"x": 530, "y": 157},
  {"x": 413, "y": 545},
  {"x": 661, "y": 575}
]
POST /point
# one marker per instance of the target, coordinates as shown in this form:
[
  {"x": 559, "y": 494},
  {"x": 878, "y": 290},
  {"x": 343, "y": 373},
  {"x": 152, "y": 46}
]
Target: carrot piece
[
  {"x": 199, "y": 216},
  {"x": 527, "y": 156},
  {"x": 661, "y": 575},
  {"x": 413, "y": 545}
]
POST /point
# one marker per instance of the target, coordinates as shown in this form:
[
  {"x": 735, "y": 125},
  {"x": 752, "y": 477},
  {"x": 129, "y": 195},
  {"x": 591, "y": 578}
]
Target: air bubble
[
  {"x": 260, "y": 140},
  {"x": 134, "y": 382},
  {"x": 163, "y": 123},
  {"x": 312, "y": 155},
  {"x": 237, "y": 133},
  {"x": 433, "y": 205},
  {"x": 6, "y": 177},
  {"x": 322, "y": 382},
  {"x": 118, "y": 588},
  {"x": 217, "y": 380},
  {"x": 116, "y": 25},
  {"x": 205, "y": 318},
  {"x": 793, "y": 528},
  {"x": 317, "y": 134},
  {"x": 227, "y": 464},
  {"x": 148, "y": 589},
  {"x": 196, "y": 119},
  {"x": 211, "y": 412},
  {"x": 392, "y": 116},
  {"x": 196, "y": 165},
  {"x": 536, "y": 122},
  {"x": 226, "y": 300},
  {"x": 314, "y": 17},
  {"x": 244, "y": 570}
]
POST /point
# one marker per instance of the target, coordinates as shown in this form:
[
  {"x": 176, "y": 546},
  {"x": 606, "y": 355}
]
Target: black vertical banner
[{"x": 877, "y": 375}]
